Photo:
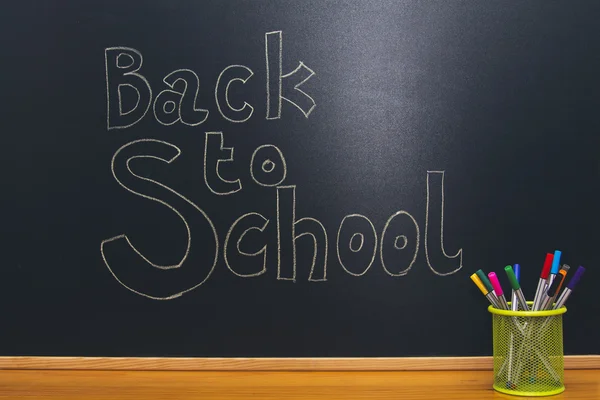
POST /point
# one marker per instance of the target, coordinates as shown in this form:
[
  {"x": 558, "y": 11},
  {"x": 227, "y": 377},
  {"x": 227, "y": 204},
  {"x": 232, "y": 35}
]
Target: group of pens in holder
[
  {"x": 528, "y": 350},
  {"x": 550, "y": 283}
]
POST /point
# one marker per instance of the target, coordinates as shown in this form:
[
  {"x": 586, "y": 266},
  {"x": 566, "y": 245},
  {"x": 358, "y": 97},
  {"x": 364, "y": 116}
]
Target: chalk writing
[
  {"x": 372, "y": 238},
  {"x": 286, "y": 243},
  {"x": 438, "y": 176},
  {"x": 229, "y": 112},
  {"x": 255, "y": 221},
  {"x": 154, "y": 149},
  {"x": 252, "y": 236},
  {"x": 123, "y": 70},
  {"x": 184, "y": 101},
  {"x": 265, "y": 175},
  {"x": 277, "y": 83},
  {"x": 118, "y": 76},
  {"x": 213, "y": 148},
  {"x": 400, "y": 243}
]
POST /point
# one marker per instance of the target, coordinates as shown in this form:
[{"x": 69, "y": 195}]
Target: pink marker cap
[{"x": 495, "y": 284}]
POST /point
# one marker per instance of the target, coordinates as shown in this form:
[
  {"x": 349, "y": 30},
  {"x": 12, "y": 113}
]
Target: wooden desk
[{"x": 149, "y": 385}]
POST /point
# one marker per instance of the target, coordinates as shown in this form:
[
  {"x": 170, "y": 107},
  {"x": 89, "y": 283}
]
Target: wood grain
[
  {"x": 151, "y": 385},
  {"x": 272, "y": 364}
]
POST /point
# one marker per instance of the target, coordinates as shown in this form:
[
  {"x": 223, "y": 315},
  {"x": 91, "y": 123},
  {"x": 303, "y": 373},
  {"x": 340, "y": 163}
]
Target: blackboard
[{"x": 170, "y": 166}]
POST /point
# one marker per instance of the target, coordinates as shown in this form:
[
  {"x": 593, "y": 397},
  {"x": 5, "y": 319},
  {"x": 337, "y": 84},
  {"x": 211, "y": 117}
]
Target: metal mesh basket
[{"x": 528, "y": 352}]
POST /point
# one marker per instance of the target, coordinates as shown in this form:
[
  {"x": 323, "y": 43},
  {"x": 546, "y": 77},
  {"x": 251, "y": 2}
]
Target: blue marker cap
[
  {"x": 517, "y": 271},
  {"x": 555, "y": 262}
]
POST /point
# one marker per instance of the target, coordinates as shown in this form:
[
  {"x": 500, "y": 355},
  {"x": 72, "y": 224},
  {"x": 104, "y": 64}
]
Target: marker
[
  {"x": 514, "y": 305},
  {"x": 562, "y": 299},
  {"x": 486, "y": 282},
  {"x": 541, "y": 287},
  {"x": 555, "y": 267},
  {"x": 498, "y": 289},
  {"x": 513, "y": 298},
  {"x": 488, "y": 294},
  {"x": 551, "y": 296},
  {"x": 563, "y": 271},
  {"x": 514, "y": 282},
  {"x": 552, "y": 291}
]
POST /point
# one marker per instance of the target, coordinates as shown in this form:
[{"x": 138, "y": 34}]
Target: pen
[
  {"x": 552, "y": 290},
  {"x": 564, "y": 268},
  {"x": 487, "y": 293},
  {"x": 555, "y": 267},
  {"x": 513, "y": 298},
  {"x": 563, "y": 271},
  {"x": 486, "y": 282},
  {"x": 514, "y": 305},
  {"x": 562, "y": 299},
  {"x": 498, "y": 289},
  {"x": 514, "y": 282},
  {"x": 563, "y": 274},
  {"x": 541, "y": 287}
]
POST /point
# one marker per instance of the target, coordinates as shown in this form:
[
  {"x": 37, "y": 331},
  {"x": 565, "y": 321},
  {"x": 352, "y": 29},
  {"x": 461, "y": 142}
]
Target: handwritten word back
[{"x": 179, "y": 105}]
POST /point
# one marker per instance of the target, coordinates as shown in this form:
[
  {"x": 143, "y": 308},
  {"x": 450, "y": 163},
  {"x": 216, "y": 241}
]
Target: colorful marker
[
  {"x": 563, "y": 271},
  {"x": 487, "y": 293},
  {"x": 562, "y": 299},
  {"x": 484, "y": 279},
  {"x": 555, "y": 267},
  {"x": 552, "y": 291},
  {"x": 565, "y": 294},
  {"x": 514, "y": 282},
  {"x": 513, "y": 298},
  {"x": 514, "y": 305},
  {"x": 498, "y": 289},
  {"x": 541, "y": 288}
]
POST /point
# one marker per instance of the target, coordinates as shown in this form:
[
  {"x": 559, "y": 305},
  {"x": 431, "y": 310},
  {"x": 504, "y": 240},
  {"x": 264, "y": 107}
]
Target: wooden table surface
[{"x": 114, "y": 385}]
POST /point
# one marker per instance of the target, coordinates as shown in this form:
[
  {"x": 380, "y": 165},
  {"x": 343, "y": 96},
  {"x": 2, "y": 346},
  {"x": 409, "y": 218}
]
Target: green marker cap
[
  {"x": 485, "y": 280},
  {"x": 512, "y": 277}
]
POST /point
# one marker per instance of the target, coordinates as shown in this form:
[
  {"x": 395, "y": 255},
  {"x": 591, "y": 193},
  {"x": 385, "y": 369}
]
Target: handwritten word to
[
  {"x": 179, "y": 105},
  {"x": 357, "y": 243}
]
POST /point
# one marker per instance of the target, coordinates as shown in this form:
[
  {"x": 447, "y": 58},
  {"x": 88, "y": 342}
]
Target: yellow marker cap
[{"x": 479, "y": 284}]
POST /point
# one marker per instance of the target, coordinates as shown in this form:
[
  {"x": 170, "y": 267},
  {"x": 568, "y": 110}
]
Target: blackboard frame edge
[{"x": 480, "y": 363}]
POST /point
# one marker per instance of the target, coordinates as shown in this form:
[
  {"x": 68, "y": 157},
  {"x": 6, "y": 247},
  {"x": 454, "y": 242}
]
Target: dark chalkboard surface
[{"x": 170, "y": 167}]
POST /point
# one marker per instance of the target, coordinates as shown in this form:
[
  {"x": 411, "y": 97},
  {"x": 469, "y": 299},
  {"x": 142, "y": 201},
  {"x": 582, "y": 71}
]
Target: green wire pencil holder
[{"x": 528, "y": 352}]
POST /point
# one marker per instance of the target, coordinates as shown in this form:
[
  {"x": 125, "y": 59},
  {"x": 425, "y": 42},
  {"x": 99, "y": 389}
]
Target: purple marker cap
[{"x": 576, "y": 277}]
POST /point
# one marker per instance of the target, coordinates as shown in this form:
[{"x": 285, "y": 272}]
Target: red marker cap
[{"x": 547, "y": 265}]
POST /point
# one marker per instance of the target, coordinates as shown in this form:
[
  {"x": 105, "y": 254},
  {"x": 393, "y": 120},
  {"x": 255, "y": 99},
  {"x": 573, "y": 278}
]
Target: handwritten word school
[{"x": 177, "y": 103}]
